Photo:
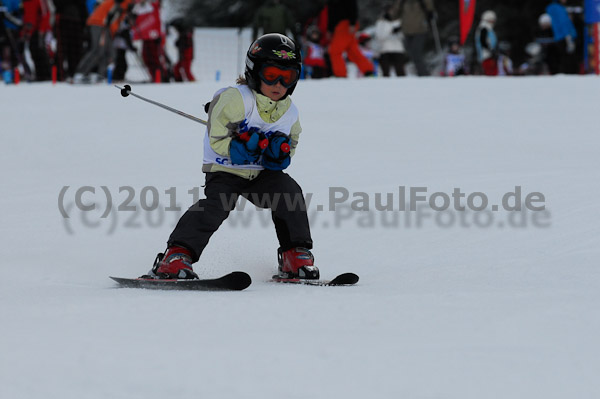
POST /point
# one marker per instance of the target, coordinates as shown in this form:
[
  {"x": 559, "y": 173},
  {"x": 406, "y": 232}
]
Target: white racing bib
[{"x": 283, "y": 125}]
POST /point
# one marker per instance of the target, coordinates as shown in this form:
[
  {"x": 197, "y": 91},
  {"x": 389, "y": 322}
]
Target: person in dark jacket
[
  {"x": 416, "y": 16},
  {"x": 273, "y": 17},
  {"x": 122, "y": 43},
  {"x": 549, "y": 54},
  {"x": 69, "y": 26},
  {"x": 182, "y": 71},
  {"x": 486, "y": 44}
]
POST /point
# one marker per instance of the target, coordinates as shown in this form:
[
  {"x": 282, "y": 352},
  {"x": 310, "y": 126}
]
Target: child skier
[
  {"x": 315, "y": 61},
  {"x": 454, "y": 63},
  {"x": 182, "y": 71},
  {"x": 486, "y": 44},
  {"x": 251, "y": 135}
]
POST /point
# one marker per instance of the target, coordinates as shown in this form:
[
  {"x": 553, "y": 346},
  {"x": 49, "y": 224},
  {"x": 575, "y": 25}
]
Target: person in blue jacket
[
  {"x": 11, "y": 49},
  {"x": 564, "y": 36}
]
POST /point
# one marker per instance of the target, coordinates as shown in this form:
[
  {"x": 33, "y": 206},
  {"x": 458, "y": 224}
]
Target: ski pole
[
  {"x": 142, "y": 65},
  {"x": 126, "y": 91},
  {"x": 436, "y": 36}
]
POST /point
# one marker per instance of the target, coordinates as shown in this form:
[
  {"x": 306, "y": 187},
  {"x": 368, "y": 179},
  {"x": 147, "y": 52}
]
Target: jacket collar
[{"x": 271, "y": 111}]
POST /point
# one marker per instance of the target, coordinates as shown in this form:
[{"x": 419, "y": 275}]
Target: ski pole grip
[
  {"x": 244, "y": 136},
  {"x": 264, "y": 143}
]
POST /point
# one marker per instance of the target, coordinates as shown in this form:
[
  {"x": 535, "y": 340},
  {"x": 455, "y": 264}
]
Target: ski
[
  {"x": 235, "y": 281},
  {"x": 342, "y": 279}
]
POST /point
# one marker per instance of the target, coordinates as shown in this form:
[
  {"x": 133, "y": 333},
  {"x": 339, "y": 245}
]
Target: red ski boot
[
  {"x": 297, "y": 263},
  {"x": 176, "y": 263}
]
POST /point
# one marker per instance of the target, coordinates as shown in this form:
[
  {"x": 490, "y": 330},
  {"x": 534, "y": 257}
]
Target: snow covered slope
[{"x": 450, "y": 304}]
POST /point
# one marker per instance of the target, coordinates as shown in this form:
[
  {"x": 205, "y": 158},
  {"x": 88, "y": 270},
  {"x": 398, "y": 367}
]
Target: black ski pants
[
  {"x": 273, "y": 190},
  {"x": 389, "y": 61},
  {"x": 415, "y": 48},
  {"x": 100, "y": 53},
  {"x": 40, "y": 57}
]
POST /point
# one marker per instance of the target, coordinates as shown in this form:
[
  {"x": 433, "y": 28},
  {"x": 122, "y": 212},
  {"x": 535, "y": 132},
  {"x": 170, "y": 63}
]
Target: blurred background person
[
  {"x": 37, "y": 33},
  {"x": 315, "y": 55},
  {"x": 544, "y": 36},
  {"x": 505, "y": 63},
  {"x": 182, "y": 71},
  {"x": 274, "y": 17},
  {"x": 564, "y": 35},
  {"x": 148, "y": 29},
  {"x": 486, "y": 44},
  {"x": 390, "y": 45},
  {"x": 69, "y": 26},
  {"x": 103, "y": 23},
  {"x": 11, "y": 48},
  {"x": 122, "y": 43},
  {"x": 454, "y": 61},
  {"x": 534, "y": 65},
  {"x": 342, "y": 27},
  {"x": 416, "y": 17}
]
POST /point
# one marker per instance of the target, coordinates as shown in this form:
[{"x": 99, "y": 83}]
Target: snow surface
[{"x": 441, "y": 310}]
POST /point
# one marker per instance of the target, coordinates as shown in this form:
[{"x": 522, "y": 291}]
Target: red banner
[{"x": 467, "y": 13}]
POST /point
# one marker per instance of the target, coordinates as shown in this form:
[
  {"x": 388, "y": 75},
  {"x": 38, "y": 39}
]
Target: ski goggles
[{"x": 271, "y": 74}]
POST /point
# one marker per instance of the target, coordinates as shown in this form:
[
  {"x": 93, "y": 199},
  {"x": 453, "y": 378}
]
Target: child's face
[{"x": 274, "y": 92}]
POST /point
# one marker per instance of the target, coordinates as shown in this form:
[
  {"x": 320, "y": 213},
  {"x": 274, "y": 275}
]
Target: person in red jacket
[
  {"x": 148, "y": 29},
  {"x": 182, "y": 71},
  {"x": 37, "y": 32},
  {"x": 343, "y": 18},
  {"x": 315, "y": 61}
]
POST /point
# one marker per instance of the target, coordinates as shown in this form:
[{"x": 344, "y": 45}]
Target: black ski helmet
[{"x": 271, "y": 49}]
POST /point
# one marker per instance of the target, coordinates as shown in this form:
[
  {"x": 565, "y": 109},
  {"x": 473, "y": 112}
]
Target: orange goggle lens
[{"x": 272, "y": 74}]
